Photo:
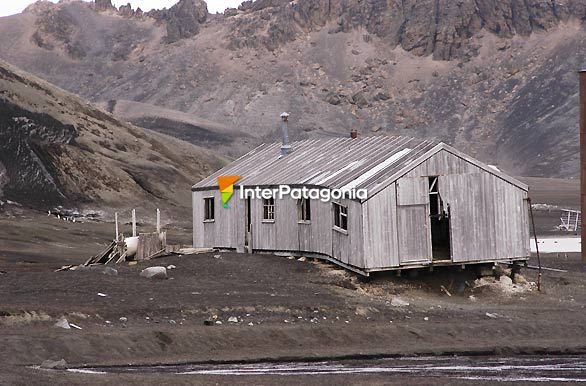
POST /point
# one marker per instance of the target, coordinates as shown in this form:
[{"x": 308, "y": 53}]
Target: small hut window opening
[
  {"x": 209, "y": 214},
  {"x": 340, "y": 216},
  {"x": 435, "y": 200},
  {"x": 268, "y": 205},
  {"x": 304, "y": 209}
]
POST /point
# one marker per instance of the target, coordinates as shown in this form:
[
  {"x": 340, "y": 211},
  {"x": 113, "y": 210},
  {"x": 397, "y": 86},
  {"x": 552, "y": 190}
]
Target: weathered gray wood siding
[
  {"x": 488, "y": 215},
  {"x": 347, "y": 246},
  {"x": 379, "y": 217},
  {"x": 227, "y": 229},
  {"x": 413, "y": 226},
  {"x": 280, "y": 234},
  {"x": 489, "y": 218},
  {"x": 316, "y": 236},
  {"x": 396, "y": 225},
  {"x": 286, "y": 233}
]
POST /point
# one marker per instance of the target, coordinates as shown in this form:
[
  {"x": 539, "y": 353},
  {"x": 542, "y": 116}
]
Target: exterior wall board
[{"x": 380, "y": 230}]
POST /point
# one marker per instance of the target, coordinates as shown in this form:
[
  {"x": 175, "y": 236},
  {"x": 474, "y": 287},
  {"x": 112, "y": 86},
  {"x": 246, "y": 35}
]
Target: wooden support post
[
  {"x": 158, "y": 220},
  {"x": 133, "y": 222},
  {"x": 536, "y": 246},
  {"x": 116, "y": 220},
  {"x": 582, "y": 82}
]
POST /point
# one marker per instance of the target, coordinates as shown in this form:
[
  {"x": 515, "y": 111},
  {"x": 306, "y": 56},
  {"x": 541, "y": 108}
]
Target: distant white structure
[{"x": 570, "y": 220}]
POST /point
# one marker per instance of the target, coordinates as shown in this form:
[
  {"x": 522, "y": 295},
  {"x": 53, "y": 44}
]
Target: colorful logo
[{"x": 226, "y": 184}]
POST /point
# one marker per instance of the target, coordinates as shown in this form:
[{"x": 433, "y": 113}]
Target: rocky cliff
[
  {"x": 441, "y": 28},
  {"x": 495, "y": 78}
]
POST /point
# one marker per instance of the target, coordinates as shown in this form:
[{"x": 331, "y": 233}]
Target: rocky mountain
[
  {"x": 56, "y": 149},
  {"x": 495, "y": 78}
]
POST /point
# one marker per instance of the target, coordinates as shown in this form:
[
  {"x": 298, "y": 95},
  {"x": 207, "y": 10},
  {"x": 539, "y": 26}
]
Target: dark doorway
[{"x": 440, "y": 222}]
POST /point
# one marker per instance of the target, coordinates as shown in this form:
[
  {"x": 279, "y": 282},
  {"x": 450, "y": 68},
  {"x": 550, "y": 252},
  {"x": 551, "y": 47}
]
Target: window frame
[
  {"x": 209, "y": 211},
  {"x": 304, "y": 211},
  {"x": 340, "y": 213},
  {"x": 268, "y": 210}
]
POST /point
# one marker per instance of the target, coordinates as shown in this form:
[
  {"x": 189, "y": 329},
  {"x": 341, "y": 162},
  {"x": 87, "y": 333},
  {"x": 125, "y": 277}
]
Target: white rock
[
  {"x": 302, "y": 258},
  {"x": 505, "y": 280},
  {"x": 124, "y": 319},
  {"x": 63, "y": 323},
  {"x": 251, "y": 324},
  {"x": 171, "y": 266},
  {"x": 398, "y": 302},
  {"x": 233, "y": 319},
  {"x": 102, "y": 295},
  {"x": 154, "y": 273},
  {"x": 54, "y": 365},
  {"x": 520, "y": 279},
  {"x": 492, "y": 316}
]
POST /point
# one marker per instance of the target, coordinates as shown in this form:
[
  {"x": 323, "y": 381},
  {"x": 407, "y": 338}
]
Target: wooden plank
[
  {"x": 101, "y": 255},
  {"x": 380, "y": 230},
  {"x": 148, "y": 245},
  {"x": 413, "y": 234},
  {"x": 412, "y": 191}
]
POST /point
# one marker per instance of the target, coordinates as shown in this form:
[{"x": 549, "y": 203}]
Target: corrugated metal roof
[{"x": 335, "y": 163}]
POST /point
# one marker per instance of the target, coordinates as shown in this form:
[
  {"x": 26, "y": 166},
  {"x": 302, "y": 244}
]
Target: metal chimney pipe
[
  {"x": 582, "y": 75},
  {"x": 285, "y": 147}
]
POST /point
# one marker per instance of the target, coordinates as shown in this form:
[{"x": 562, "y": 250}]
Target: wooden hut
[{"x": 427, "y": 204}]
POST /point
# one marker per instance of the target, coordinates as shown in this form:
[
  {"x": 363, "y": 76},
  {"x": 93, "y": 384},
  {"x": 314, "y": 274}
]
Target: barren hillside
[
  {"x": 495, "y": 78},
  {"x": 57, "y": 149}
]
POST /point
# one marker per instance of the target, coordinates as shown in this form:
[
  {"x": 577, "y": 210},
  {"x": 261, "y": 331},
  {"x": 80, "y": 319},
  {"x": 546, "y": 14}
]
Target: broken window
[
  {"x": 340, "y": 216},
  {"x": 268, "y": 205},
  {"x": 436, "y": 205},
  {"x": 208, "y": 209},
  {"x": 304, "y": 209}
]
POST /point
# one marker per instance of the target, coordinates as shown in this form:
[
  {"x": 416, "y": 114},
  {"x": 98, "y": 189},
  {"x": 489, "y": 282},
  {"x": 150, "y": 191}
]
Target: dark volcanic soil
[{"x": 298, "y": 309}]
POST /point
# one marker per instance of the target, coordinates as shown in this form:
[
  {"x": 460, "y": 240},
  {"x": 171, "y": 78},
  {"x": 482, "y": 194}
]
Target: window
[
  {"x": 340, "y": 216},
  {"x": 208, "y": 209},
  {"x": 304, "y": 209},
  {"x": 268, "y": 206},
  {"x": 436, "y": 204}
]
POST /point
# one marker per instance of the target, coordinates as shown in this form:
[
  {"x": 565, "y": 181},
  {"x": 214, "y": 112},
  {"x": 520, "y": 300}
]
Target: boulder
[
  {"x": 54, "y": 365},
  {"x": 398, "y": 302},
  {"x": 506, "y": 281},
  {"x": 154, "y": 273},
  {"x": 360, "y": 99},
  {"x": 519, "y": 279},
  {"x": 184, "y": 19},
  {"x": 333, "y": 98}
]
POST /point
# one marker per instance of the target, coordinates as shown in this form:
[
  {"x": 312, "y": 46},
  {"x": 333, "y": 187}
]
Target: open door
[
  {"x": 414, "y": 236},
  {"x": 439, "y": 218}
]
